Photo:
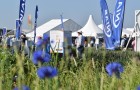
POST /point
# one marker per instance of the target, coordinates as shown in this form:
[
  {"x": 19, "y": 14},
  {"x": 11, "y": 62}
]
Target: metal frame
[{"x": 137, "y": 29}]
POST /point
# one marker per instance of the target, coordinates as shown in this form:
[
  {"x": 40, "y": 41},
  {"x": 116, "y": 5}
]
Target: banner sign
[
  {"x": 4, "y": 31},
  {"x": 21, "y": 15},
  {"x": 17, "y": 34},
  {"x": 118, "y": 17},
  {"x": 21, "y": 10},
  {"x": 57, "y": 40},
  {"x": 107, "y": 25}
]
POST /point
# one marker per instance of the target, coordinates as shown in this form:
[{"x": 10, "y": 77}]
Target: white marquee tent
[
  {"x": 125, "y": 31},
  {"x": 90, "y": 29},
  {"x": 55, "y": 24}
]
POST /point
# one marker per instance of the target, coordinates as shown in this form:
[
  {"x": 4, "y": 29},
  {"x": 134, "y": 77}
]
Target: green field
[{"x": 73, "y": 74}]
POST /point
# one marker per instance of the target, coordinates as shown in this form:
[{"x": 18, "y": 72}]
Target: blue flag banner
[
  {"x": 4, "y": 31},
  {"x": 36, "y": 11},
  {"x": 17, "y": 34},
  {"x": 107, "y": 25},
  {"x": 62, "y": 25},
  {"x": 21, "y": 10},
  {"x": 35, "y": 25},
  {"x": 118, "y": 21},
  {"x": 21, "y": 15}
]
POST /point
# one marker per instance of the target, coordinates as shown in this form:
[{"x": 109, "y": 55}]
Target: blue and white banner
[
  {"x": 4, "y": 31},
  {"x": 21, "y": 15},
  {"x": 62, "y": 25},
  {"x": 21, "y": 10},
  {"x": 118, "y": 21},
  {"x": 35, "y": 25},
  {"x": 107, "y": 25},
  {"x": 17, "y": 34}
]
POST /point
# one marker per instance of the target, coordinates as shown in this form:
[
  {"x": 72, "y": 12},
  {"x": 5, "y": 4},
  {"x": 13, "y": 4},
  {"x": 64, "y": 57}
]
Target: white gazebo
[
  {"x": 90, "y": 29},
  {"x": 55, "y": 24}
]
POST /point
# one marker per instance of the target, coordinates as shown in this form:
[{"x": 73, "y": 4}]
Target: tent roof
[
  {"x": 128, "y": 31},
  {"x": 90, "y": 29},
  {"x": 55, "y": 24},
  {"x": 12, "y": 32}
]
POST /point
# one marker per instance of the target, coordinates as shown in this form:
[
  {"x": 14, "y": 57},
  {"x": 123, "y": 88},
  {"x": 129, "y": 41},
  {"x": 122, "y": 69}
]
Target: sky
[{"x": 77, "y": 10}]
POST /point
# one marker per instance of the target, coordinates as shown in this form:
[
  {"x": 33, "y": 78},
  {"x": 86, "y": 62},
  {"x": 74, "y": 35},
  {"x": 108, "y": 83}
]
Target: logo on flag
[
  {"x": 107, "y": 27},
  {"x": 118, "y": 14},
  {"x": 22, "y": 9}
]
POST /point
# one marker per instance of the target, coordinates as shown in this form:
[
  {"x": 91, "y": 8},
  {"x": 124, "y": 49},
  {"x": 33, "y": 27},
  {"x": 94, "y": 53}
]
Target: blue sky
[{"x": 77, "y": 10}]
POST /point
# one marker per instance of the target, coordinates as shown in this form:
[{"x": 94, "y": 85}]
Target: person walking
[
  {"x": 80, "y": 44},
  {"x": 124, "y": 41}
]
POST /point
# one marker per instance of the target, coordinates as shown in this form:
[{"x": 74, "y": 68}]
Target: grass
[{"x": 74, "y": 74}]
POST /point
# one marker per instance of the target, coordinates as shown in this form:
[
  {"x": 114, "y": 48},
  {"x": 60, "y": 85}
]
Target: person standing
[
  {"x": 96, "y": 43},
  {"x": 80, "y": 44},
  {"x": 8, "y": 39},
  {"x": 124, "y": 41},
  {"x": 133, "y": 44},
  {"x": 92, "y": 41}
]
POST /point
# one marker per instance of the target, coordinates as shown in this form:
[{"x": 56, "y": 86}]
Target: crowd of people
[
  {"x": 80, "y": 43},
  {"x": 127, "y": 42},
  {"x": 21, "y": 44}
]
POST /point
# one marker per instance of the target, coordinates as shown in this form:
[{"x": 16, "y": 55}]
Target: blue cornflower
[
  {"x": 46, "y": 71},
  {"x": 39, "y": 56},
  {"x": 23, "y": 88},
  {"x": 47, "y": 57},
  {"x": 39, "y": 43},
  {"x": 52, "y": 41},
  {"x": 114, "y": 68},
  {"x": 45, "y": 37},
  {"x": 138, "y": 88}
]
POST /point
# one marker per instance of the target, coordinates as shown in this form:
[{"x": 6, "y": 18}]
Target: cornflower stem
[
  {"x": 1, "y": 73},
  {"x": 112, "y": 82},
  {"x": 20, "y": 60},
  {"x": 102, "y": 78},
  {"x": 37, "y": 79}
]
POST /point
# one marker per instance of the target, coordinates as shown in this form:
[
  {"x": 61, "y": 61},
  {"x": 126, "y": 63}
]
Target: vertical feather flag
[
  {"x": 107, "y": 25},
  {"x": 17, "y": 34},
  {"x": 118, "y": 21},
  {"x": 21, "y": 15},
  {"x": 21, "y": 10},
  {"x": 4, "y": 31},
  {"x": 62, "y": 24},
  {"x": 35, "y": 25}
]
